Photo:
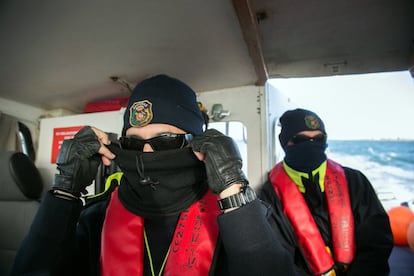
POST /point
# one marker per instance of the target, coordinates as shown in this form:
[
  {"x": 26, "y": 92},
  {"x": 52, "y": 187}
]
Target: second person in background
[{"x": 330, "y": 214}]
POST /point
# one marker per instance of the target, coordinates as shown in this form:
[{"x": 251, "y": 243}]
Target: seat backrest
[{"x": 20, "y": 191}]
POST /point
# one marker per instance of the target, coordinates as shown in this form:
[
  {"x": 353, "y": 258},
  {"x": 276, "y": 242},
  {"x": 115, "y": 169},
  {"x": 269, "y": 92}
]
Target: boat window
[
  {"x": 278, "y": 153},
  {"x": 26, "y": 141}
]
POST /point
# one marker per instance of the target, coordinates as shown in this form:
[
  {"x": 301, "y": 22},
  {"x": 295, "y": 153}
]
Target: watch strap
[{"x": 237, "y": 200}]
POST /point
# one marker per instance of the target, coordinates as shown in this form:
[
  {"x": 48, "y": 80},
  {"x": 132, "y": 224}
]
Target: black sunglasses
[
  {"x": 300, "y": 138},
  {"x": 165, "y": 141}
]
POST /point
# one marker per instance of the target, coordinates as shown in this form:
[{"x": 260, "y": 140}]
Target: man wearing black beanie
[
  {"x": 181, "y": 204},
  {"x": 329, "y": 214}
]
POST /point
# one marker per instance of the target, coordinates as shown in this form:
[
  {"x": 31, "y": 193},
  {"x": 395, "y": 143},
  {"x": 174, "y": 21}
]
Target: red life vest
[
  {"x": 191, "y": 250},
  {"x": 307, "y": 233}
]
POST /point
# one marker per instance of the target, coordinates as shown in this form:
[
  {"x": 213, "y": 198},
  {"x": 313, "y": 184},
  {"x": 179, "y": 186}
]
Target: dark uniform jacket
[
  {"x": 373, "y": 237},
  {"x": 65, "y": 240}
]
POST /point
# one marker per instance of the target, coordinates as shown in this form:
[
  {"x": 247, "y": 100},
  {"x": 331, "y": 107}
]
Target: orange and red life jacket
[
  {"x": 307, "y": 233},
  {"x": 191, "y": 250}
]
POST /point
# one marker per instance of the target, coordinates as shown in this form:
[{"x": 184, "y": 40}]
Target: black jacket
[
  {"x": 65, "y": 240},
  {"x": 373, "y": 235}
]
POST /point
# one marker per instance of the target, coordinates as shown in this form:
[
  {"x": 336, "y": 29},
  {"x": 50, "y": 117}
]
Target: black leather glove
[
  {"x": 222, "y": 160},
  {"x": 77, "y": 162}
]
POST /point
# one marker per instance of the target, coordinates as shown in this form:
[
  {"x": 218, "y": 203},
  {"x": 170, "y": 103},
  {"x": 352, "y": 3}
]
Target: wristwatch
[{"x": 245, "y": 196}]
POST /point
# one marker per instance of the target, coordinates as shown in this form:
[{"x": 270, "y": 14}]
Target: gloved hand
[
  {"x": 77, "y": 162},
  {"x": 222, "y": 160}
]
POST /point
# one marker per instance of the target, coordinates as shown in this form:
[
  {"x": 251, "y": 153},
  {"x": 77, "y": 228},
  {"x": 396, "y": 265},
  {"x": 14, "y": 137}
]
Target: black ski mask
[
  {"x": 160, "y": 183},
  {"x": 306, "y": 156}
]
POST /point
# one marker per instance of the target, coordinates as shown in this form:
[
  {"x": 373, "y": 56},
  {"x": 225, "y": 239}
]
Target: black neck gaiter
[
  {"x": 306, "y": 156},
  {"x": 160, "y": 183}
]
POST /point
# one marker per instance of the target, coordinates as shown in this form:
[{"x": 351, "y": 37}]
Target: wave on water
[{"x": 389, "y": 166}]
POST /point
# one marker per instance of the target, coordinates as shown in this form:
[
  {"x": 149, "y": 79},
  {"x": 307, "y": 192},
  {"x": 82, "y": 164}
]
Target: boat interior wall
[
  {"x": 28, "y": 115},
  {"x": 243, "y": 105}
]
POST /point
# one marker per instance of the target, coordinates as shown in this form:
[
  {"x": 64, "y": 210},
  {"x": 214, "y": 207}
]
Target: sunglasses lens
[
  {"x": 131, "y": 143},
  {"x": 166, "y": 142},
  {"x": 162, "y": 142},
  {"x": 297, "y": 139}
]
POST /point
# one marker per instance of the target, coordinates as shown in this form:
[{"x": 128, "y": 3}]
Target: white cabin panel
[{"x": 242, "y": 105}]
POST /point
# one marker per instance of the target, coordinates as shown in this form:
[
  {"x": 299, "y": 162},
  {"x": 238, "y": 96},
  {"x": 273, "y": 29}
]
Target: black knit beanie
[
  {"x": 165, "y": 100},
  {"x": 297, "y": 120}
]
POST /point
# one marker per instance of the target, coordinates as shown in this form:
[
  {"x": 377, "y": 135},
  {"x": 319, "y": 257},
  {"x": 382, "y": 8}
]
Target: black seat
[{"x": 20, "y": 192}]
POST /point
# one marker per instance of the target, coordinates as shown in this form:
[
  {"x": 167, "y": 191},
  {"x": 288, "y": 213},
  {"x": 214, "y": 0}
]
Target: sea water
[{"x": 388, "y": 165}]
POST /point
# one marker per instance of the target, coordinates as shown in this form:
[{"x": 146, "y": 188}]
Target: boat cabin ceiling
[{"x": 64, "y": 54}]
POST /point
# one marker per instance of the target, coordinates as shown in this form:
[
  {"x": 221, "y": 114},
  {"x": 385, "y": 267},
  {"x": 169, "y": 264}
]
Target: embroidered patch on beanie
[
  {"x": 140, "y": 113},
  {"x": 312, "y": 122}
]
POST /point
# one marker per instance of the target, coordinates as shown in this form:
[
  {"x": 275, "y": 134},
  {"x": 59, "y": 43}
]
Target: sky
[{"x": 353, "y": 107}]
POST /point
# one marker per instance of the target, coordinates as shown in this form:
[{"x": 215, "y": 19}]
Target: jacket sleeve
[
  {"x": 373, "y": 236},
  {"x": 252, "y": 247},
  {"x": 48, "y": 247}
]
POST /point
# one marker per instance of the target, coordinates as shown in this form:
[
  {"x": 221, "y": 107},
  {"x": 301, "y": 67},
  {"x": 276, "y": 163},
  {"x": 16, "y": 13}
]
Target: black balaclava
[
  {"x": 160, "y": 183},
  {"x": 306, "y": 156}
]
